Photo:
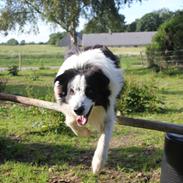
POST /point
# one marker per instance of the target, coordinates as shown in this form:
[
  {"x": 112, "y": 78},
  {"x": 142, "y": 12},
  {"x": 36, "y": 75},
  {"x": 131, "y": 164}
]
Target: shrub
[
  {"x": 54, "y": 39},
  {"x": 22, "y": 42},
  {"x": 166, "y": 42},
  {"x": 12, "y": 42},
  {"x": 13, "y": 70},
  {"x": 139, "y": 97},
  {"x": 52, "y": 122}
]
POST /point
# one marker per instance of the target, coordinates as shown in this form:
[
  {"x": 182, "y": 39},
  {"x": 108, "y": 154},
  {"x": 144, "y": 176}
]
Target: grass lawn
[
  {"x": 31, "y": 49},
  {"x": 31, "y": 55},
  {"x": 128, "y": 50},
  {"x": 45, "y": 55},
  {"x": 36, "y": 146}
]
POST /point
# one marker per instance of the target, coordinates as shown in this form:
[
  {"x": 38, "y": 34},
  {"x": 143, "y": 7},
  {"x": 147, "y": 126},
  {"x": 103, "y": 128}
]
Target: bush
[
  {"x": 22, "y": 42},
  {"x": 167, "y": 41},
  {"x": 13, "y": 70},
  {"x": 12, "y": 42},
  {"x": 54, "y": 39},
  {"x": 139, "y": 97}
]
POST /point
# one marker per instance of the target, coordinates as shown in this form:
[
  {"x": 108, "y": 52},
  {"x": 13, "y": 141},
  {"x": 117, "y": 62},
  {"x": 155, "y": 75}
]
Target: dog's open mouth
[{"x": 83, "y": 119}]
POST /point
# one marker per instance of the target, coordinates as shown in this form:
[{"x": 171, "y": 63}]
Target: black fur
[
  {"x": 107, "y": 53},
  {"x": 63, "y": 80},
  {"x": 97, "y": 88}
]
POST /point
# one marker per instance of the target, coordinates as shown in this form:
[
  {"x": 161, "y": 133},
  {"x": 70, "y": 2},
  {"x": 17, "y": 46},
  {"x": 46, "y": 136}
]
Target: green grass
[
  {"x": 128, "y": 50},
  {"x": 46, "y": 55},
  {"x": 31, "y": 55},
  {"x": 36, "y": 146},
  {"x": 31, "y": 49}
]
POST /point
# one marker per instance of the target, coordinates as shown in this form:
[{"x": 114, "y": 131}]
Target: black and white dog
[{"x": 86, "y": 86}]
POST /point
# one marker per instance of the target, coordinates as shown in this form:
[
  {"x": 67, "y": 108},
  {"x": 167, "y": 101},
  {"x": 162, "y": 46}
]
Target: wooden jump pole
[{"x": 139, "y": 123}]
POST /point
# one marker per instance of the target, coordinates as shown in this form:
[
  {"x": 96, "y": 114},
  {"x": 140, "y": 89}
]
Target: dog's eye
[
  {"x": 71, "y": 91},
  {"x": 89, "y": 91},
  {"x": 62, "y": 94}
]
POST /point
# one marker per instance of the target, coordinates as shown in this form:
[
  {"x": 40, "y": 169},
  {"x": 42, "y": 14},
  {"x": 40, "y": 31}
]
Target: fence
[
  {"x": 23, "y": 60},
  {"x": 157, "y": 58},
  {"x": 164, "y": 59}
]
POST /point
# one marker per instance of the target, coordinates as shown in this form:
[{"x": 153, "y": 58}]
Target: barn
[
  {"x": 120, "y": 39},
  {"x": 123, "y": 39}
]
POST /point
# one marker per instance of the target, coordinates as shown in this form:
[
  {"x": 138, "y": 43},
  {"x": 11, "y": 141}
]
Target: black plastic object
[{"x": 172, "y": 164}]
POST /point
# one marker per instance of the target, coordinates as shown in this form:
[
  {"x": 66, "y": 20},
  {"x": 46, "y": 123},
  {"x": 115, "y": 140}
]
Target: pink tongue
[{"x": 82, "y": 120}]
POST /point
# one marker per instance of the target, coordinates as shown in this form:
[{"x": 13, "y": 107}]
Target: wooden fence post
[{"x": 19, "y": 60}]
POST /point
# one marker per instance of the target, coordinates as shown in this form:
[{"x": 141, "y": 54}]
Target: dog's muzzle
[{"x": 82, "y": 119}]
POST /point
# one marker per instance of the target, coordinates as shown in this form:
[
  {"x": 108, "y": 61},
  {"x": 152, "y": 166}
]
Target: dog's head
[{"x": 82, "y": 89}]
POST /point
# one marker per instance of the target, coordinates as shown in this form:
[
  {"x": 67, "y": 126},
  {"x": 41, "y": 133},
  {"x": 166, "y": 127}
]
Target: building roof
[
  {"x": 66, "y": 41},
  {"x": 118, "y": 39}
]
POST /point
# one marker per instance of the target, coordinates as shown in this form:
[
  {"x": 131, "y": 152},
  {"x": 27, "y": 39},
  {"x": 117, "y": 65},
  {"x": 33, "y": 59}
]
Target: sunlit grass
[
  {"x": 31, "y": 55},
  {"x": 36, "y": 146}
]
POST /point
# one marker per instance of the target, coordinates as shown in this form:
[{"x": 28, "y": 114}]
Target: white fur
[
  {"x": 96, "y": 57},
  {"x": 101, "y": 119},
  {"x": 78, "y": 85}
]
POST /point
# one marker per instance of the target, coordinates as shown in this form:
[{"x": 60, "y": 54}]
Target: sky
[{"x": 136, "y": 10}]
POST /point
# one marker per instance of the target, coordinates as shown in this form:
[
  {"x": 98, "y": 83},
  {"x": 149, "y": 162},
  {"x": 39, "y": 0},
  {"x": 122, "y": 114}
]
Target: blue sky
[{"x": 136, "y": 10}]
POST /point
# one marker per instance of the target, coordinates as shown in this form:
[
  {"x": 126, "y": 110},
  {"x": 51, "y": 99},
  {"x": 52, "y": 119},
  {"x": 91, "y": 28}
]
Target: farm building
[
  {"x": 118, "y": 39},
  {"x": 65, "y": 41},
  {"x": 122, "y": 39}
]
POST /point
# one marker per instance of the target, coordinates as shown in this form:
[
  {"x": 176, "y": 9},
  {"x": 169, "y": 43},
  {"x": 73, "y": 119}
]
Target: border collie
[{"x": 86, "y": 86}]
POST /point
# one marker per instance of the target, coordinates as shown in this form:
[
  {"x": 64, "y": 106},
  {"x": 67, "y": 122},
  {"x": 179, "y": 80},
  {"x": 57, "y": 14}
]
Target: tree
[
  {"x": 132, "y": 27},
  {"x": 12, "y": 42},
  {"x": 55, "y": 38},
  {"x": 168, "y": 40},
  {"x": 105, "y": 24},
  {"x": 152, "y": 21},
  {"x": 149, "y": 22},
  {"x": 65, "y": 13},
  {"x": 22, "y": 42},
  {"x": 170, "y": 35}
]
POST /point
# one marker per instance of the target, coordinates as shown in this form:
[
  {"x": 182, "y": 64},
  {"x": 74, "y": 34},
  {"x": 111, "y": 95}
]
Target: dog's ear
[
  {"x": 96, "y": 77},
  {"x": 61, "y": 81},
  {"x": 99, "y": 84}
]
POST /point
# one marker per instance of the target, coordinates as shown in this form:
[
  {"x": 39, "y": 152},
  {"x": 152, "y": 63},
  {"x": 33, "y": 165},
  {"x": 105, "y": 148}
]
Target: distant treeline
[
  {"x": 14, "y": 42},
  {"x": 149, "y": 22}
]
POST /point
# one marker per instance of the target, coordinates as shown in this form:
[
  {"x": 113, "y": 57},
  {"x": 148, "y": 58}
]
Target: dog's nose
[{"x": 79, "y": 110}]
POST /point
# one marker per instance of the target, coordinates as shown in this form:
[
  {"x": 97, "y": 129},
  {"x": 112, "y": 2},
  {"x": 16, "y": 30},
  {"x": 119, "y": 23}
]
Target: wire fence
[
  {"x": 163, "y": 59},
  {"x": 36, "y": 59}
]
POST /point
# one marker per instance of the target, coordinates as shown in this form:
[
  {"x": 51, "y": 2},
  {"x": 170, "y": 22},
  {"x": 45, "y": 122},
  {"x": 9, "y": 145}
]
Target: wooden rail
[{"x": 139, "y": 123}]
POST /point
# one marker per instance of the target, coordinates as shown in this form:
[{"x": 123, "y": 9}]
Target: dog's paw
[{"x": 97, "y": 165}]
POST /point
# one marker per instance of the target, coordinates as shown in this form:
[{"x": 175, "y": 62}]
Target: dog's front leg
[{"x": 101, "y": 152}]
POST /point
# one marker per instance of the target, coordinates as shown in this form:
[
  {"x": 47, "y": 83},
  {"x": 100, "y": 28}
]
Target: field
[
  {"x": 31, "y": 55},
  {"x": 36, "y": 146},
  {"x": 45, "y": 55}
]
